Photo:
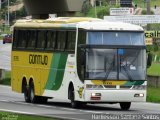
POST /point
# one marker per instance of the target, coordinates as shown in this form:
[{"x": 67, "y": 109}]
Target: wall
[{"x": 153, "y": 81}]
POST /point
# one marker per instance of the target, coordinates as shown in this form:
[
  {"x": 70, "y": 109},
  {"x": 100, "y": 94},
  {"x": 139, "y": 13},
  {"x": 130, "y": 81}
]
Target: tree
[{"x": 85, "y": 7}]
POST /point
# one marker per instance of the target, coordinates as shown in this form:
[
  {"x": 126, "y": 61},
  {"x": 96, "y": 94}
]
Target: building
[{"x": 41, "y": 8}]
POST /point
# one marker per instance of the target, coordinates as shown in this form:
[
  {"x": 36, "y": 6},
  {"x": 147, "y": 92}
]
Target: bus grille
[
  {"x": 125, "y": 87},
  {"x": 110, "y": 86}
]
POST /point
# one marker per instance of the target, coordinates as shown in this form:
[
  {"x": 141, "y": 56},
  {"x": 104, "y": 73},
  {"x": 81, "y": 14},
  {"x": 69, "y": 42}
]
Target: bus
[{"x": 84, "y": 60}]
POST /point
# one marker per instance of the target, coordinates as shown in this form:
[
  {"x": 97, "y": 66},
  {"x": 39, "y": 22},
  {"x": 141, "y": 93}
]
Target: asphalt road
[
  {"x": 14, "y": 102},
  {"x": 5, "y": 55}
]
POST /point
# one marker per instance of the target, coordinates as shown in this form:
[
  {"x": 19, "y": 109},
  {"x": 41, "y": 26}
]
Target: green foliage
[
  {"x": 85, "y": 7},
  {"x": 102, "y": 11},
  {"x": 154, "y": 70},
  {"x": 21, "y": 13},
  {"x": 156, "y": 48},
  {"x": 155, "y": 26},
  {"x": 79, "y": 14},
  {"x": 144, "y": 12},
  {"x": 143, "y": 4},
  {"x": 153, "y": 94},
  {"x": 15, "y": 116},
  {"x": 150, "y": 48},
  {"x": 7, "y": 79},
  {"x": 13, "y": 15}
]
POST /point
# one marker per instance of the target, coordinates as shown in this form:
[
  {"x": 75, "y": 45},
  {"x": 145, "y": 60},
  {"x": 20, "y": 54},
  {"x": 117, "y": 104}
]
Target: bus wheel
[
  {"x": 33, "y": 98},
  {"x": 26, "y": 93},
  {"x": 74, "y": 104},
  {"x": 125, "y": 105}
]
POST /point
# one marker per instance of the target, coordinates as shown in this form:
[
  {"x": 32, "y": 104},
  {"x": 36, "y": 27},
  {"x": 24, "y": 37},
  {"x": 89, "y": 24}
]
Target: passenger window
[
  {"x": 32, "y": 39},
  {"x": 41, "y": 39},
  {"x": 61, "y": 40},
  {"x": 22, "y": 39},
  {"x": 71, "y": 39},
  {"x": 51, "y": 40}
]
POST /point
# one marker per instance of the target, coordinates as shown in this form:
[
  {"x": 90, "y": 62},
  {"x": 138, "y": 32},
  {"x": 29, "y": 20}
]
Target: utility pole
[
  {"x": 8, "y": 12},
  {"x": 148, "y": 7},
  {"x": 95, "y": 9},
  {"x": 0, "y": 4},
  {"x": 148, "y": 11}
]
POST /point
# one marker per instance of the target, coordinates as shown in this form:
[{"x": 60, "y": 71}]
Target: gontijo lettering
[{"x": 38, "y": 59}]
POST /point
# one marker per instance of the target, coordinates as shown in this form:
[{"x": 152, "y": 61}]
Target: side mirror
[{"x": 149, "y": 60}]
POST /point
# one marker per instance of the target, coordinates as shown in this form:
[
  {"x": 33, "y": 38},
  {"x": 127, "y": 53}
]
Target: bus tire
[
  {"x": 26, "y": 94},
  {"x": 74, "y": 104},
  {"x": 125, "y": 105},
  {"x": 33, "y": 97}
]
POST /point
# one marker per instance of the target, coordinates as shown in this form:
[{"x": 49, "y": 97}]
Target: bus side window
[
  {"x": 81, "y": 55},
  {"x": 41, "y": 39},
  {"x": 31, "y": 39},
  {"x": 15, "y": 38},
  {"x": 81, "y": 37},
  {"x": 71, "y": 39},
  {"x": 22, "y": 38},
  {"x": 51, "y": 40},
  {"x": 61, "y": 40}
]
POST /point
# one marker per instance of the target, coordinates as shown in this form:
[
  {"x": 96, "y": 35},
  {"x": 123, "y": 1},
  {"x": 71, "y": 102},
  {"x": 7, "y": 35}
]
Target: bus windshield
[
  {"x": 115, "y": 64},
  {"x": 115, "y": 38}
]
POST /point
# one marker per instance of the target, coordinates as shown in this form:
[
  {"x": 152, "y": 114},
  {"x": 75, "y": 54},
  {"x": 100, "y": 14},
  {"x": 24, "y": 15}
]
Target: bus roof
[
  {"x": 60, "y": 22},
  {"x": 110, "y": 26},
  {"x": 73, "y": 22}
]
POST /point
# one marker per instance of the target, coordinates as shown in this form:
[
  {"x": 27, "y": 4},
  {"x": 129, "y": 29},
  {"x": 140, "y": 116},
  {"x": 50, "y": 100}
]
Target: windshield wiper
[
  {"x": 109, "y": 70},
  {"x": 128, "y": 74}
]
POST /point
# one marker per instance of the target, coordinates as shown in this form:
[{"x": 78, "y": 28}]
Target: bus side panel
[
  {"x": 14, "y": 79},
  {"x": 61, "y": 73},
  {"x": 30, "y": 65},
  {"x": 16, "y": 73},
  {"x": 44, "y": 73},
  {"x": 69, "y": 75}
]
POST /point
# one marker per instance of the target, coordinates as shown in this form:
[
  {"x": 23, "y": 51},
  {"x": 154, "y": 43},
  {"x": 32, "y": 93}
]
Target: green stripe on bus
[
  {"x": 130, "y": 83},
  {"x": 57, "y": 71}
]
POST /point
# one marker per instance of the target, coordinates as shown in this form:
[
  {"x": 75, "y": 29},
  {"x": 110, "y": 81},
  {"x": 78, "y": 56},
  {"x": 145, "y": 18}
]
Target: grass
[
  {"x": 140, "y": 3},
  {"x": 7, "y": 80},
  {"x": 1, "y": 38},
  {"x": 15, "y": 116},
  {"x": 154, "y": 70},
  {"x": 153, "y": 94},
  {"x": 5, "y": 30}
]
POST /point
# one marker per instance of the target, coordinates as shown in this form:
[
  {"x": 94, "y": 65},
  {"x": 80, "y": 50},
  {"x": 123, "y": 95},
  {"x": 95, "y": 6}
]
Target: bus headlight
[
  {"x": 139, "y": 95},
  {"x": 91, "y": 86},
  {"x": 139, "y": 87}
]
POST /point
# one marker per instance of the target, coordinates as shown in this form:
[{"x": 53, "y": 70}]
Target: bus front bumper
[{"x": 115, "y": 95}]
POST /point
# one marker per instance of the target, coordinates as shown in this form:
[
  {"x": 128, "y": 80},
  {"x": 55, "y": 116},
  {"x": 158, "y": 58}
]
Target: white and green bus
[{"x": 84, "y": 60}]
